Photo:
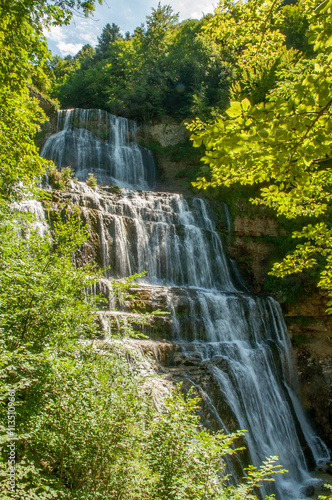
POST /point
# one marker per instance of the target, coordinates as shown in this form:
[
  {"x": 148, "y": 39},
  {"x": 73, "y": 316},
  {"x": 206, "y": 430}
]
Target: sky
[{"x": 128, "y": 14}]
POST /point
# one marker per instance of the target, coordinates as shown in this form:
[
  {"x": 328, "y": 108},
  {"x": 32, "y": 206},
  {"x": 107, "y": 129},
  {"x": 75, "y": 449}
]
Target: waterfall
[
  {"x": 94, "y": 141},
  {"x": 239, "y": 339}
]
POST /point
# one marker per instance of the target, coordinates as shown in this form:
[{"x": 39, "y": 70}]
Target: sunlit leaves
[
  {"x": 20, "y": 162},
  {"x": 234, "y": 110},
  {"x": 23, "y": 52},
  {"x": 284, "y": 142}
]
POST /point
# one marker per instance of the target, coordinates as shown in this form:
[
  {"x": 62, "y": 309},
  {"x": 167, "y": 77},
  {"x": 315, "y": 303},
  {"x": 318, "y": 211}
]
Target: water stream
[{"x": 241, "y": 338}]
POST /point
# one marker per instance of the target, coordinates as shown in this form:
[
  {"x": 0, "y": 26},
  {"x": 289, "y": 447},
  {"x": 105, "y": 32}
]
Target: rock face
[
  {"x": 178, "y": 162},
  {"x": 165, "y": 134},
  {"x": 310, "y": 328},
  {"x": 252, "y": 242}
]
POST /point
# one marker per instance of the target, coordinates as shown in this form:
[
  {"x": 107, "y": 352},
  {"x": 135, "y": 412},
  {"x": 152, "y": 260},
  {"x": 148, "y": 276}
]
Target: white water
[
  {"x": 242, "y": 338},
  {"x": 94, "y": 141},
  {"x": 35, "y": 208}
]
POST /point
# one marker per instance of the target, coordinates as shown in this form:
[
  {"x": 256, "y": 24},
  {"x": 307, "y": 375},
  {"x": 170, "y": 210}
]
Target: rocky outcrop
[
  {"x": 178, "y": 162},
  {"x": 165, "y": 134},
  {"x": 252, "y": 243}
]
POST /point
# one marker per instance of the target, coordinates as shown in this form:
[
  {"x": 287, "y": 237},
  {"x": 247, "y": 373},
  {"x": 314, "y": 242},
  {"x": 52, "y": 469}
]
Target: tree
[
  {"x": 285, "y": 146},
  {"x": 109, "y": 35},
  {"x": 158, "y": 23},
  {"x": 294, "y": 25},
  {"x": 246, "y": 42},
  {"x": 20, "y": 117},
  {"x": 23, "y": 53},
  {"x": 23, "y": 48}
]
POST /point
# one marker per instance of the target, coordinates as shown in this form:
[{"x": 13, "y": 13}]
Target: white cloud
[
  {"x": 55, "y": 34},
  {"x": 91, "y": 39},
  {"x": 66, "y": 48},
  {"x": 70, "y": 39},
  {"x": 194, "y": 8},
  {"x": 66, "y": 40}
]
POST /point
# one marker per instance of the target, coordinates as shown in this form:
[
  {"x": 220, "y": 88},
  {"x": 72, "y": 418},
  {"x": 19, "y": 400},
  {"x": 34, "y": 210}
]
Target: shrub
[
  {"x": 59, "y": 179},
  {"x": 91, "y": 180}
]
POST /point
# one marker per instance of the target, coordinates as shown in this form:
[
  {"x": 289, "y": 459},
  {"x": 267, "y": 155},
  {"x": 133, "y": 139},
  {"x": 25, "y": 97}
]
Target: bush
[
  {"x": 91, "y": 180},
  {"x": 59, "y": 179}
]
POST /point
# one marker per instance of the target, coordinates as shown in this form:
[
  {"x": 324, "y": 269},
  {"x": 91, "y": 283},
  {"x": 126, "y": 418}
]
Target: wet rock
[{"x": 308, "y": 491}]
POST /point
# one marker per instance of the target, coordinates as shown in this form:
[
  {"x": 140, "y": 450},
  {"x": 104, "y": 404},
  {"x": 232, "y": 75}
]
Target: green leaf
[{"x": 235, "y": 110}]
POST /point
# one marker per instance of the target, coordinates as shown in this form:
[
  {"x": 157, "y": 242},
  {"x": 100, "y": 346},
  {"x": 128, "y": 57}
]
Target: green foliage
[
  {"x": 283, "y": 145},
  {"x": 186, "y": 69},
  {"x": 22, "y": 46},
  {"x": 42, "y": 295},
  {"x": 323, "y": 497},
  {"x": 108, "y": 35},
  {"x": 23, "y": 54},
  {"x": 155, "y": 72},
  {"x": 59, "y": 179},
  {"x": 91, "y": 180},
  {"x": 243, "y": 35},
  {"x": 19, "y": 121},
  {"x": 294, "y": 26},
  {"x": 90, "y": 434},
  {"x": 300, "y": 340}
]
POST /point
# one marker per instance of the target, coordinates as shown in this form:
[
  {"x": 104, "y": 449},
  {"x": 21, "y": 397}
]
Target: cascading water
[
  {"x": 241, "y": 339},
  {"x": 94, "y": 141}
]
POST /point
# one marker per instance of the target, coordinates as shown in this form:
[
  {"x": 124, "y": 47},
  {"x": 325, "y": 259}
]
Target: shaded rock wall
[
  {"x": 310, "y": 328},
  {"x": 165, "y": 134}
]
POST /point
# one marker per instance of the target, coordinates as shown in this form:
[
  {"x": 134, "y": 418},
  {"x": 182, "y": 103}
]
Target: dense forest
[
  {"x": 253, "y": 81},
  {"x": 182, "y": 70}
]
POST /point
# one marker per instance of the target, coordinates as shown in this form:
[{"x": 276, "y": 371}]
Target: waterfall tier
[
  {"x": 159, "y": 234},
  {"x": 94, "y": 141},
  {"x": 239, "y": 341}
]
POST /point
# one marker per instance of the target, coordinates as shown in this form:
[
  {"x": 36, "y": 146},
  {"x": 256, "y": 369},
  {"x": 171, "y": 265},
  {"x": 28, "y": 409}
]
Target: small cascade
[
  {"x": 227, "y": 217},
  {"x": 35, "y": 208},
  {"x": 94, "y": 141},
  {"x": 237, "y": 341}
]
